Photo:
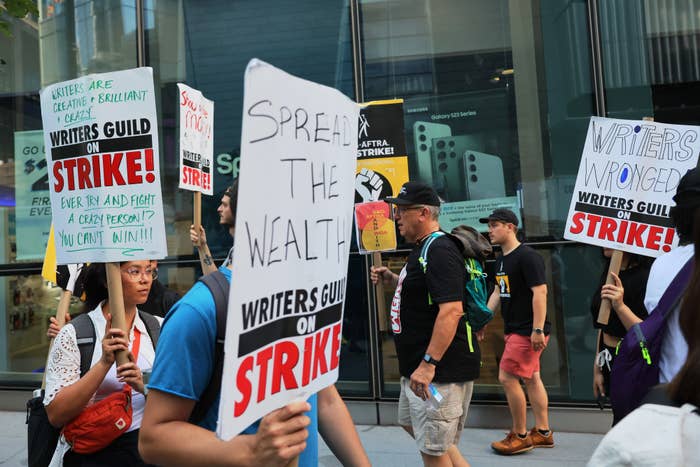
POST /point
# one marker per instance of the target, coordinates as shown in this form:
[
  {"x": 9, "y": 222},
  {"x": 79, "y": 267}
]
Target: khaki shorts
[{"x": 435, "y": 430}]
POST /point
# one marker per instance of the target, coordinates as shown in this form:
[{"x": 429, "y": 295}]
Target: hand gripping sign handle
[
  {"x": 379, "y": 294},
  {"x": 116, "y": 305},
  {"x": 605, "y": 305}
]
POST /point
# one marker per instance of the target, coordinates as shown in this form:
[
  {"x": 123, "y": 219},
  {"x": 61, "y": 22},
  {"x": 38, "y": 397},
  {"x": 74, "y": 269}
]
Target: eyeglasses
[
  {"x": 401, "y": 210},
  {"x": 135, "y": 274}
]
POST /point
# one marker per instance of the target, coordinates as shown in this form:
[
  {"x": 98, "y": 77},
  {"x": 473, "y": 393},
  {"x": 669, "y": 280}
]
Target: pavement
[{"x": 386, "y": 446}]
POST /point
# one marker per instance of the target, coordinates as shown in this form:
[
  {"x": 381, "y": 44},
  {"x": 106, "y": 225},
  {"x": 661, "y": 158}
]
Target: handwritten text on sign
[
  {"x": 101, "y": 136},
  {"x": 196, "y": 140},
  {"x": 628, "y": 175},
  {"x": 293, "y": 220}
]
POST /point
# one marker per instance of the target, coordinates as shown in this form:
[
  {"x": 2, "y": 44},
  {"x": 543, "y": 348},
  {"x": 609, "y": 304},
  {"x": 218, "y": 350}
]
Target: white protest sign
[
  {"x": 628, "y": 175},
  {"x": 101, "y": 138},
  {"x": 196, "y": 140},
  {"x": 293, "y": 235}
]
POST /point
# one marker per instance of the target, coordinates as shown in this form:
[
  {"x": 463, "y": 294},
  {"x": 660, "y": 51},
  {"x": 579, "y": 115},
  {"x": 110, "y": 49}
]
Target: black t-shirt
[
  {"x": 634, "y": 281},
  {"x": 516, "y": 274},
  {"x": 413, "y": 317},
  {"x": 160, "y": 300}
]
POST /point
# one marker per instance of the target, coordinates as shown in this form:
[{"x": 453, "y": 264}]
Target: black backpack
[
  {"x": 218, "y": 285},
  {"x": 42, "y": 437}
]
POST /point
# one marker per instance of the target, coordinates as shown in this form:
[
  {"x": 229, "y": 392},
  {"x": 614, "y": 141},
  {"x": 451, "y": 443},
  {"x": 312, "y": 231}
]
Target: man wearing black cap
[
  {"x": 521, "y": 294},
  {"x": 674, "y": 348},
  {"x": 429, "y": 328}
]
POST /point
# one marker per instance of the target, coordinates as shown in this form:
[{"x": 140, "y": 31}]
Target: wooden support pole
[
  {"x": 605, "y": 305},
  {"x": 116, "y": 305},
  {"x": 197, "y": 214},
  {"x": 379, "y": 293}
]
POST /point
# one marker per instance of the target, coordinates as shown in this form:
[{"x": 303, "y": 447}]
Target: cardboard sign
[
  {"x": 33, "y": 209},
  {"x": 382, "y": 164},
  {"x": 628, "y": 175},
  {"x": 375, "y": 230},
  {"x": 293, "y": 234},
  {"x": 196, "y": 140},
  {"x": 101, "y": 138}
]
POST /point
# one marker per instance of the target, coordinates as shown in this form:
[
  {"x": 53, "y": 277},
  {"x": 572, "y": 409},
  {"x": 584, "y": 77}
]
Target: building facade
[{"x": 512, "y": 80}]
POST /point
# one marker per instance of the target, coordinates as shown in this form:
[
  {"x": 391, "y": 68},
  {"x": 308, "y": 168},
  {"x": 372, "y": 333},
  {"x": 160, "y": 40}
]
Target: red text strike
[
  {"x": 263, "y": 373},
  {"x": 109, "y": 169},
  {"x": 651, "y": 237},
  {"x": 192, "y": 176}
]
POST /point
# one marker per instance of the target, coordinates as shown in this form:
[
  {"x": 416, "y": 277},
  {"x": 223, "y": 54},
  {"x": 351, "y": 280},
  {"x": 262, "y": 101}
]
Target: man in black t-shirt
[
  {"x": 521, "y": 294},
  {"x": 429, "y": 328}
]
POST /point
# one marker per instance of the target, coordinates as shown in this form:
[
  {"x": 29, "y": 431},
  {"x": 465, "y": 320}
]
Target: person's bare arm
[
  {"x": 444, "y": 331},
  {"x": 539, "y": 315},
  {"x": 338, "y": 430},
  {"x": 494, "y": 301},
  {"x": 388, "y": 277},
  {"x": 167, "y": 438},
  {"x": 615, "y": 292},
  {"x": 199, "y": 241}
]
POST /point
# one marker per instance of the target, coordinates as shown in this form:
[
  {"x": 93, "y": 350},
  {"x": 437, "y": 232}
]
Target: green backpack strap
[{"x": 423, "y": 258}]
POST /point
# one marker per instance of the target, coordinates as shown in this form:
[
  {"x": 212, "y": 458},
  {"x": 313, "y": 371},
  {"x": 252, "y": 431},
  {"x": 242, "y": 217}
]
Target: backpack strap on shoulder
[
  {"x": 85, "y": 338},
  {"x": 423, "y": 258},
  {"x": 152, "y": 326},
  {"x": 219, "y": 287}
]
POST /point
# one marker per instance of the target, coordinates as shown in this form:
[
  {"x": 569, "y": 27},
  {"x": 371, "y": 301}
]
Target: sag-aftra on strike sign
[{"x": 628, "y": 175}]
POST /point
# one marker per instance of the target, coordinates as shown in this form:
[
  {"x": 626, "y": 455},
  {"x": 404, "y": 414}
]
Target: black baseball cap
[
  {"x": 501, "y": 214},
  {"x": 415, "y": 193},
  {"x": 688, "y": 187}
]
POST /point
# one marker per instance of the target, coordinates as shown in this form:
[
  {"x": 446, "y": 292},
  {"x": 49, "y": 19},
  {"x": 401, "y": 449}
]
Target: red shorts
[{"x": 518, "y": 356}]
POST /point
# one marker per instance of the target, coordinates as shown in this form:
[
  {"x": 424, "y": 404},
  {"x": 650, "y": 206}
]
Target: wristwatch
[
  {"x": 537, "y": 330},
  {"x": 428, "y": 359}
]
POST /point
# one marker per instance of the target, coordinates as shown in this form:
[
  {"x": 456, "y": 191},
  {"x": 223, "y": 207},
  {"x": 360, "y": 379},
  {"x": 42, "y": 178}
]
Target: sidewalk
[{"x": 386, "y": 445}]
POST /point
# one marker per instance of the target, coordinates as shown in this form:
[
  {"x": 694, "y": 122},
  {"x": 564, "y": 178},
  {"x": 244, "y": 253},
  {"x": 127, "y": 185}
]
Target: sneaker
[
  {"x": 512, "y": 444},
  {"x": 541, "y": 441}
]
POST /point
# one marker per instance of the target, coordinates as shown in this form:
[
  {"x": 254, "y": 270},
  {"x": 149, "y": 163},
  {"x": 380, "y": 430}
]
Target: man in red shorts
[{"x": 521, "y": 294}]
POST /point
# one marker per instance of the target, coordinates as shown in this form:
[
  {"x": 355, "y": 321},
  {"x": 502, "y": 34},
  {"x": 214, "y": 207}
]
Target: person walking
[
  {"x": 429, "y": 328},
  {"x": 521, "y": 295}
]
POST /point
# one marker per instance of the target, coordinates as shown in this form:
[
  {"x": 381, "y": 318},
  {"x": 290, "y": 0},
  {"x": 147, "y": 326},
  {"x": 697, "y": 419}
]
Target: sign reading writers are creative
[
  {"x": 293, "y": 235},
  {"x": 628, "y": 175},
  {"x": 196, "y": 140},
  {"x": 101, "y": 139}
]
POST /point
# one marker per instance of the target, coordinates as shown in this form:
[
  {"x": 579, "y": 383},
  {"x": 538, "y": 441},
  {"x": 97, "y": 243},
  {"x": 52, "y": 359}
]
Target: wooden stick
[
  {"x": 379, "y": 293},
  {"x": 605, "y": 305},
  {"x": 116, "y": 305},
  {"x": 197, "y": 217},
  {"x": 61, "y": 310}
]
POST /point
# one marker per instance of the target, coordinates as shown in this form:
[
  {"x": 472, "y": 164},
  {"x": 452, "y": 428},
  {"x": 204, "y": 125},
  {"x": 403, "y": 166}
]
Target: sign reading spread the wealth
[
  {"x": 382, "y": 164},
  {"x": 293, "y": 234},
  {"x": 196, "y": 140},
  {"x": 101, "y": 138},
  {"x": 628, "y": 175}
]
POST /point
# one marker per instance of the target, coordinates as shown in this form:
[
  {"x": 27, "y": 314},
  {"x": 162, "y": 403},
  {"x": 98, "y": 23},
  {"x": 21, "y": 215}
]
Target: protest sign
[
  {"x": 375, "y": 230},
  {"x": 628, "y": 175},
  {"x": 382, "y": 164},
  {"x": 33, "y": 207},
  {"x": 196, "y": 140},
  {"x": 293, "y": 227},
  {"x": 101, "y": 139}
]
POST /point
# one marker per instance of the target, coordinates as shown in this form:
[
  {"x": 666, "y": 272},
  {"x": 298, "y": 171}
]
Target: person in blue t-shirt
[{"x": 182, "y": 369}]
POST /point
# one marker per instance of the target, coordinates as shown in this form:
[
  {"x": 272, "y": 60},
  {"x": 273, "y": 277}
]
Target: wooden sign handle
[
  {"x": 197, "y": 214},
  {"x": 605, "y": 305},
  {"x": 379, "y": 293},
  {"x": 116, "y": 305}
]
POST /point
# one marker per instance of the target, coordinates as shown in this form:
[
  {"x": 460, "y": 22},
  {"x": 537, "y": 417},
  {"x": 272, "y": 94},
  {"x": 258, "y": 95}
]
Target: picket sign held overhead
[
  {"x": 627, "y": 177},
  {"x": 293, "y": 234}
]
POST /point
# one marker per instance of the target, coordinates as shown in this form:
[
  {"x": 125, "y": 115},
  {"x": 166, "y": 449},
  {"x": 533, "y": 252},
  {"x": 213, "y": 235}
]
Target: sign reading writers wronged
[
  {"x": 293, "y": 234},
  {"x": 101, "y": 137},
  {"x": 196, "y": 140},
  {"x": 628, "y": 175}
]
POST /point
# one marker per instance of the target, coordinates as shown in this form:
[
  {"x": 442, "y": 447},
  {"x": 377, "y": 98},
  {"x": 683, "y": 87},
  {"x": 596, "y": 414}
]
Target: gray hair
[{"x": 434, "y": 212}]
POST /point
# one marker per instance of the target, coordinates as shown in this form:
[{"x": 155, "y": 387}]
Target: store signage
[
  {"x": 101, "y": 138},
  {"x": 627, "y": 177},
  {"x": 196, "y": 140},
  {"x": 382, "y": 164},
  {"x": 293, "y": 234},
  {"x": 33, "y": 207}
]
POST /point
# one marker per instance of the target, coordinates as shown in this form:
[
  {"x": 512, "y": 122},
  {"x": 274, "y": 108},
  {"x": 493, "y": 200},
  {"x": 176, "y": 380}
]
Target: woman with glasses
[{"x": 68, "y": 392}]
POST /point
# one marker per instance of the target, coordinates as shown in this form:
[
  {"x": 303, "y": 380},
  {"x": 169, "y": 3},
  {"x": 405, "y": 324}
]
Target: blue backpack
[
  {"x": 635, "y": 369},
  {"x": 476, "y": 311}
]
